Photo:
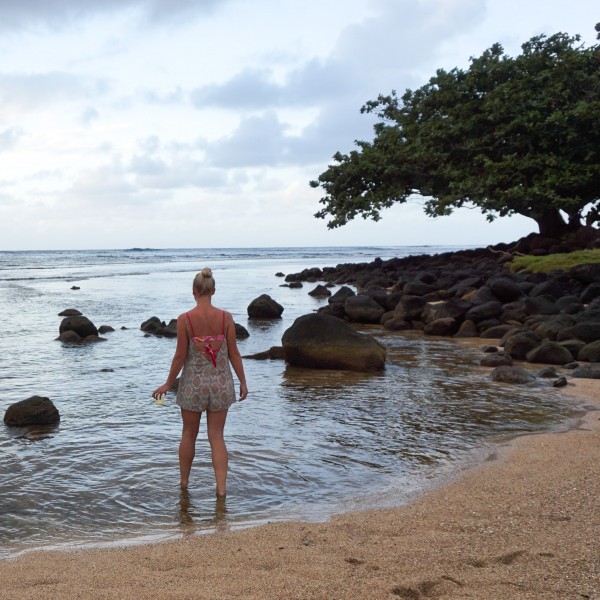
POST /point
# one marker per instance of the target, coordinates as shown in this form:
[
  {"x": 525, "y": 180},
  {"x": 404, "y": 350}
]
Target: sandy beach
[{"x": 525, "y": 524}]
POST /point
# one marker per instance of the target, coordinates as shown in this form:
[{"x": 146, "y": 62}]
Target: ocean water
[{"x": 304, "y": 445}]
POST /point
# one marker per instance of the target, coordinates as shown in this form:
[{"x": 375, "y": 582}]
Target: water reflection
[{"x": 189, "y": 515}]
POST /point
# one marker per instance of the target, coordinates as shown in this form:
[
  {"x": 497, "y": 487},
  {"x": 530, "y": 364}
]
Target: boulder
[
  {"x": 548, "y": 288},
  {"x": 573, "y": 346},
  {"x": 410, "y": 308},
  {"x": 590, "y": 352},
  {"x": 334, "y": 310},
  {"x": 273, "y": 353},
  {"x": 395, "y": 324},
  {"x": 547, "y": 373},
  {"x": 69, "y": 312},
  {"x": 566, "y": 301},
  {"x": 499, "y": 359},
  {"x": 484, "y": 311},
  {"x": 157, "y": 327},
  {"x": 81, "y": 325},
  {"x": 320, "y": 292},
  {"x": 560, "y": 382},
  {"x": 319, "y": 341},
  {"x": 418, "y": 288},
  {"x": 586, "y": 332},
  {"x": 36, "y": 410},
  {"x": 151, "y": 325},
  {"x": 467, "y": 329},
  {"x": 496, "y": 331},
  {"x": 589, "y": 273},
  {"x": 241, "y": 333},
  {"x": 105, "y": 329},
  {"x": 341, "y": 295},
  {"x": 541, "y": 305},
  {"x": 363, "y": 309},
  {"x": 445, "y": 326},
  {"x": 455, "y": 308},
  {"x": 522, "y": 342},
  {"x": 550, "y": 353},
  {"x": 505, "y": 289},
  {"x": 586, "y": 372},
  {"x": 264, "y": 307},
  {"x": 549, "y": 328},
  {"x": 69, "y": 337},
  {"x": 516, "y": 375},
  {"x": 590, "y": 293},
  {"x": 294, "y": 285}
]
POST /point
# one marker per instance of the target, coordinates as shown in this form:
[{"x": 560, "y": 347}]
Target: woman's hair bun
[{"x": 206, "y": 272}]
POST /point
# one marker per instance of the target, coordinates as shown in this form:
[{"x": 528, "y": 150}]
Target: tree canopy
[{"x": 509, "y": 135}]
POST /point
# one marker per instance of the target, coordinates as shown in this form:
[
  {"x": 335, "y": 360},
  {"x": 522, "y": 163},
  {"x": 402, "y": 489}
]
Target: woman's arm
[
  {"x": 235, "y": 358},
  {"x": 179, "y": 357}
]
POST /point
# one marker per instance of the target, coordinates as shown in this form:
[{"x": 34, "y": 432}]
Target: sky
[{"x": 199, "y": 123}]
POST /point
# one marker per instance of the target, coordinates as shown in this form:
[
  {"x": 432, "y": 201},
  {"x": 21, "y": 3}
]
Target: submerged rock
[{"x": 515, "y": 375}]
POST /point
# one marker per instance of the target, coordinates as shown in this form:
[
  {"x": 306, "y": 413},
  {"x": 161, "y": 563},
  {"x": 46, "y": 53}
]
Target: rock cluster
[
  {"x": 154, "y": 326},
  {"x": 76, "y": 329},
  {"x": 551, "y": 318}
]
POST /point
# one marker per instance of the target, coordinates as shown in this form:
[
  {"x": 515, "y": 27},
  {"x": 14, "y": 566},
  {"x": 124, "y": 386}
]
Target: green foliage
[
  {"x": 508, "y": 135},
  {"x": 537, "y": 264}
]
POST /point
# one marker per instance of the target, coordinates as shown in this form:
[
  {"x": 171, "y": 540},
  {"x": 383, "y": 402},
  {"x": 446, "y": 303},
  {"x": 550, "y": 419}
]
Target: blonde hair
[{"x": 204, "y": 284}]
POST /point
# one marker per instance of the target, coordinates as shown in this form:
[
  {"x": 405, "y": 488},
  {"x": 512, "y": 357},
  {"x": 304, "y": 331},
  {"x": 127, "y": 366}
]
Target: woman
[{"x": 205, "y": 346}]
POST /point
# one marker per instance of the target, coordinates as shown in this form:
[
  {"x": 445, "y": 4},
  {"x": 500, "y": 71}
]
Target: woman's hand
[
  {"x": 243, "y": 391},
  {"x": 160, "y": 391}
]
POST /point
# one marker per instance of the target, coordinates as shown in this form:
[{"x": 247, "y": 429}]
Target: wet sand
[{"x": 524, "y": 525}]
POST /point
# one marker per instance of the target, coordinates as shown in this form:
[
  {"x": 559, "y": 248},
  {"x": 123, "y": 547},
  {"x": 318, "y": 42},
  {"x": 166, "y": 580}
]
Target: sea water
[{"x": 304, "y": 445}]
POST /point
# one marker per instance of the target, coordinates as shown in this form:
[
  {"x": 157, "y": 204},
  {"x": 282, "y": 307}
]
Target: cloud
[
  {"x": 252, "y": 88},
  {"x": 9, "y": 138},
  {"x": 88, "y": 115},
  {"x": 25, "y": 92},
  {"x": 259, "y": 140},
  {"x": 59, "y": 14}
]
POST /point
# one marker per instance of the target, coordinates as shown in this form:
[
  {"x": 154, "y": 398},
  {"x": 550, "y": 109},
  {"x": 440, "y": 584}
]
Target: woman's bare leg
[
  {"x": 216, "y": 424},
  {"x": 187, "y": 446}
]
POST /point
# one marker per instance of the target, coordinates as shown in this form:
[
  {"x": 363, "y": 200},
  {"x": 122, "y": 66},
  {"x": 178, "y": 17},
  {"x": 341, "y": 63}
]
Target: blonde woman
[{"x": 206, "y": 346}]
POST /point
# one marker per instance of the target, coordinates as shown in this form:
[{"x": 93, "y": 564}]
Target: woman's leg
[
  {"x": 216, "y": 424},
  {"x": 187, "y": 446}
]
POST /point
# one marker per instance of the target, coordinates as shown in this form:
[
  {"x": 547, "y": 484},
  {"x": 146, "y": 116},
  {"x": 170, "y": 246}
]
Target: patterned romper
[{"x": 206, "y": 382}]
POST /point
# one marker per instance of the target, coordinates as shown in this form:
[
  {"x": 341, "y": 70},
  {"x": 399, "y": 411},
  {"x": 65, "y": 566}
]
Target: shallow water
[{"x": 305, "y": 444}]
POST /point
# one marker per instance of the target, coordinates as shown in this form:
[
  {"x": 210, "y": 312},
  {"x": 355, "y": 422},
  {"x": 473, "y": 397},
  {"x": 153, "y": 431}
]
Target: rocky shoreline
[{"x": 550, "y": 318}]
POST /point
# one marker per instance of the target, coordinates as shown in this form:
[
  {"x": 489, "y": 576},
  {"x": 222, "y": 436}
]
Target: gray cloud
[
  {"x": 264, "y": 140},
  {"x": 313, "y": 83},
  {"x": 26, "y": 14}
]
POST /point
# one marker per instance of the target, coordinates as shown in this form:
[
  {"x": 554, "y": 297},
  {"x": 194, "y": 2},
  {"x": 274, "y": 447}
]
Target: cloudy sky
[{"x": 199, "y": 123}]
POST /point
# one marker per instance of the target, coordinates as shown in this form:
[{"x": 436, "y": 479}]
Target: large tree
[{"x": 507, "y": 135}]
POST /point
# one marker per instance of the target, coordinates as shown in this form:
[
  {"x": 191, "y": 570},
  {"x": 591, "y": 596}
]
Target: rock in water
[
  {"x": 81, "y": 325},
  {"x": 36, "y": 410},
  {"x": 264, "y": 307},
  {"x": 319, "y": 341}
]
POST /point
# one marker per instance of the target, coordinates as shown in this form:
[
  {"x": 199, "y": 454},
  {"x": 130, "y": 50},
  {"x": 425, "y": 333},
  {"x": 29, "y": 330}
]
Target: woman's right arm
[{"x": 179, "y": 357}]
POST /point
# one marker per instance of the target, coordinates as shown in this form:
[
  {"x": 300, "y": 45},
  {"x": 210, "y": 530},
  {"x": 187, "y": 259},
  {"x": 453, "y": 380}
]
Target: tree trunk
[{"x": 552, "y": 224}]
